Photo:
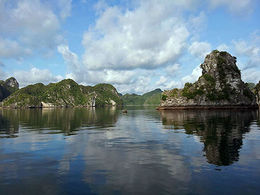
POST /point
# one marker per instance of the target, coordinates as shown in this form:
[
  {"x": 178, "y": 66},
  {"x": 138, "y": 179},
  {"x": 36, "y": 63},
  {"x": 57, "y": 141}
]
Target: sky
[{"x": 135, "y": 45}]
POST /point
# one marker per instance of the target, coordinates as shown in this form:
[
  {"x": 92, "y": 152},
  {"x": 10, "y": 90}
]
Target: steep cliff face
[
  {"x": 64, "y": 93},
  {"x": 219, "y": 86},
  {"x": 7, "y": 87},
  {"x": 257, "y": 93}
]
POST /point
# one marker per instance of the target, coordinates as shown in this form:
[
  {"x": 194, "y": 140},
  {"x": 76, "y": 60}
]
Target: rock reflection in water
[
  {"x": 220, "y": 131},
  {"x": 66, "y": 121},
  {"x": 9, "y": 124}
]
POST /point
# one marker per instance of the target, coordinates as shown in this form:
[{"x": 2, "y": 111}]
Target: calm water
[{"x": 84, "y": 151}]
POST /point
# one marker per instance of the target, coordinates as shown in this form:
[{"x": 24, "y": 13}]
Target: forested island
[{"x": 219, "y": 86}]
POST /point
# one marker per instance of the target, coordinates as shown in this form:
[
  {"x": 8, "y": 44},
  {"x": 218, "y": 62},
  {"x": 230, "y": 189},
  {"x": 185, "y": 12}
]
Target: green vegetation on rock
[
  {"x": 251, "y": 86},
  {"x": 106, "y": 93},
  {"x": 189, "y": 91},
  {"x": 64, "y": 93},
  {"x": 220, "y": 84},
  {"x": 164, "y": 97},
  {"x": 150, "y": 98}
]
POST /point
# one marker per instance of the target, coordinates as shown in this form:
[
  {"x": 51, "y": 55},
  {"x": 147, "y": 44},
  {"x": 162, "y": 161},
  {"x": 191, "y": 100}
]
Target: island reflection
[
  {"x": 221, "y": 131},
  {"x": 66, "y": 121}
]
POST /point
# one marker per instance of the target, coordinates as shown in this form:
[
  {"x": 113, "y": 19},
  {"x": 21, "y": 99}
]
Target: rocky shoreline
[{"x": 238, "y": 107}]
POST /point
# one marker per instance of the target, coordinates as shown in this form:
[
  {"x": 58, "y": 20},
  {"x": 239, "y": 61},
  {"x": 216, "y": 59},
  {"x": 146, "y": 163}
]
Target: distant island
[
  {"x": 219, "y": 86},
  {"x": 147, "y": 99},
  {"x": 66, "y": 93}
]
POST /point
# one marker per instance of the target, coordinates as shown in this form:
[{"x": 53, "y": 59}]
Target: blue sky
[{"x": 135, "y": 45}]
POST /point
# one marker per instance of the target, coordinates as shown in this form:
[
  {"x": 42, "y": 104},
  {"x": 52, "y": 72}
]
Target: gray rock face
[
  {"x": 257, "y": 93},
  {"x": 220, "y": 85},
  {"x": 12, "y": 82},
  {"x": 8, "y": 87}
]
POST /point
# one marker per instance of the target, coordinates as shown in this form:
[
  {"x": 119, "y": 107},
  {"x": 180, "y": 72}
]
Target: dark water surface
[{"x": 102, "y": 151}]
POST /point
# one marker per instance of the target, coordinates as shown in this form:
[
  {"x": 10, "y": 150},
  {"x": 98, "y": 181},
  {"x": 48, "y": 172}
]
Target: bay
[{"x": 143, "y": 151}]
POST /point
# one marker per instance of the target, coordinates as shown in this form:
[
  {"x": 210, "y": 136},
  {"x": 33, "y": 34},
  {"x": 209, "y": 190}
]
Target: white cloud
[
  {"x": 141, "y": 84},
  {"x": 35, "y": 75},
  {"x": 126, "y": 81},
  {"x": 70, "y": 58},
  {"x": 79, "y": 73},
  {"x": 139, "y": 49},
  {"x": 223, "y": 47},
  {"x": 29, "y": 26},
  {"x": 149, "y": 36},
  {"x": 65, "y": 8},
  {"x": 249, "y": 49},
  {"x": 245, "y": 48},
  {"x": 197, "y": 23},
  {"x": 196, "y": 73},
  {"x": 167, "y": 83},
  {"x": 251, "y": 75},
  {"x": 131, "y": 48},
  {"x": 172, "y": 69},
  {"x": 162, "y": 80},
  {"x": 200, "y": 49},
  {"x": 238, "y": 7},
  {"x": 12, "y": 49}
]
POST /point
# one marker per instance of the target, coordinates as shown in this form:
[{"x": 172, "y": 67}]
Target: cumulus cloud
[
  {"x": 12, "y": 49},
  {"x": 167, "y": 83},
  {"x": 199, "y": 49},
  {"x": 65, "y": 8},
  {"x": 249, "y": 49},
  {"x": 251, "y": 75},
  {"x": 244, "y": 48},
  {"x": 139, "y": 49},
  {"x": 197, "y": 23},
  {"x": 69, "y": 57},
  {"x": 35, "y": 75},
  {"x": 172, "y": 69},
  {"x": 126, "y": 81},
  {"x": 162, "y": 80},
  {"x": 223, "y": 47},
  {"x": 141, "y": 84},
  {"x": 79, "y": 73},
  {"x": 27, "y": 26},
  {"x": 241, "y": 7},
  {"x": 151, "y": 35},
  {"x": 131, "y": 48},
  {"x": 196, "y": 73}
]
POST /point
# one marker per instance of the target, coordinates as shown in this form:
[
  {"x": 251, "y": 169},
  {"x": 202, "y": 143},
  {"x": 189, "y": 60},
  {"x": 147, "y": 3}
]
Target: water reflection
[
  {"x": 9, "y": 123},
  {"x": 220, "y": 131},
  {"x": 134, "y": 153},
  {"x": 66, "y": 121}
]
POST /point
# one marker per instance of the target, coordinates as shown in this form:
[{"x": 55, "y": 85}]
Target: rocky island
[
  {"x": 219, "y": 86},
  {"x": 66, "y": 93},
  {"x": 256, "y": 90},
  {"x": 8, "y": 87}
]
